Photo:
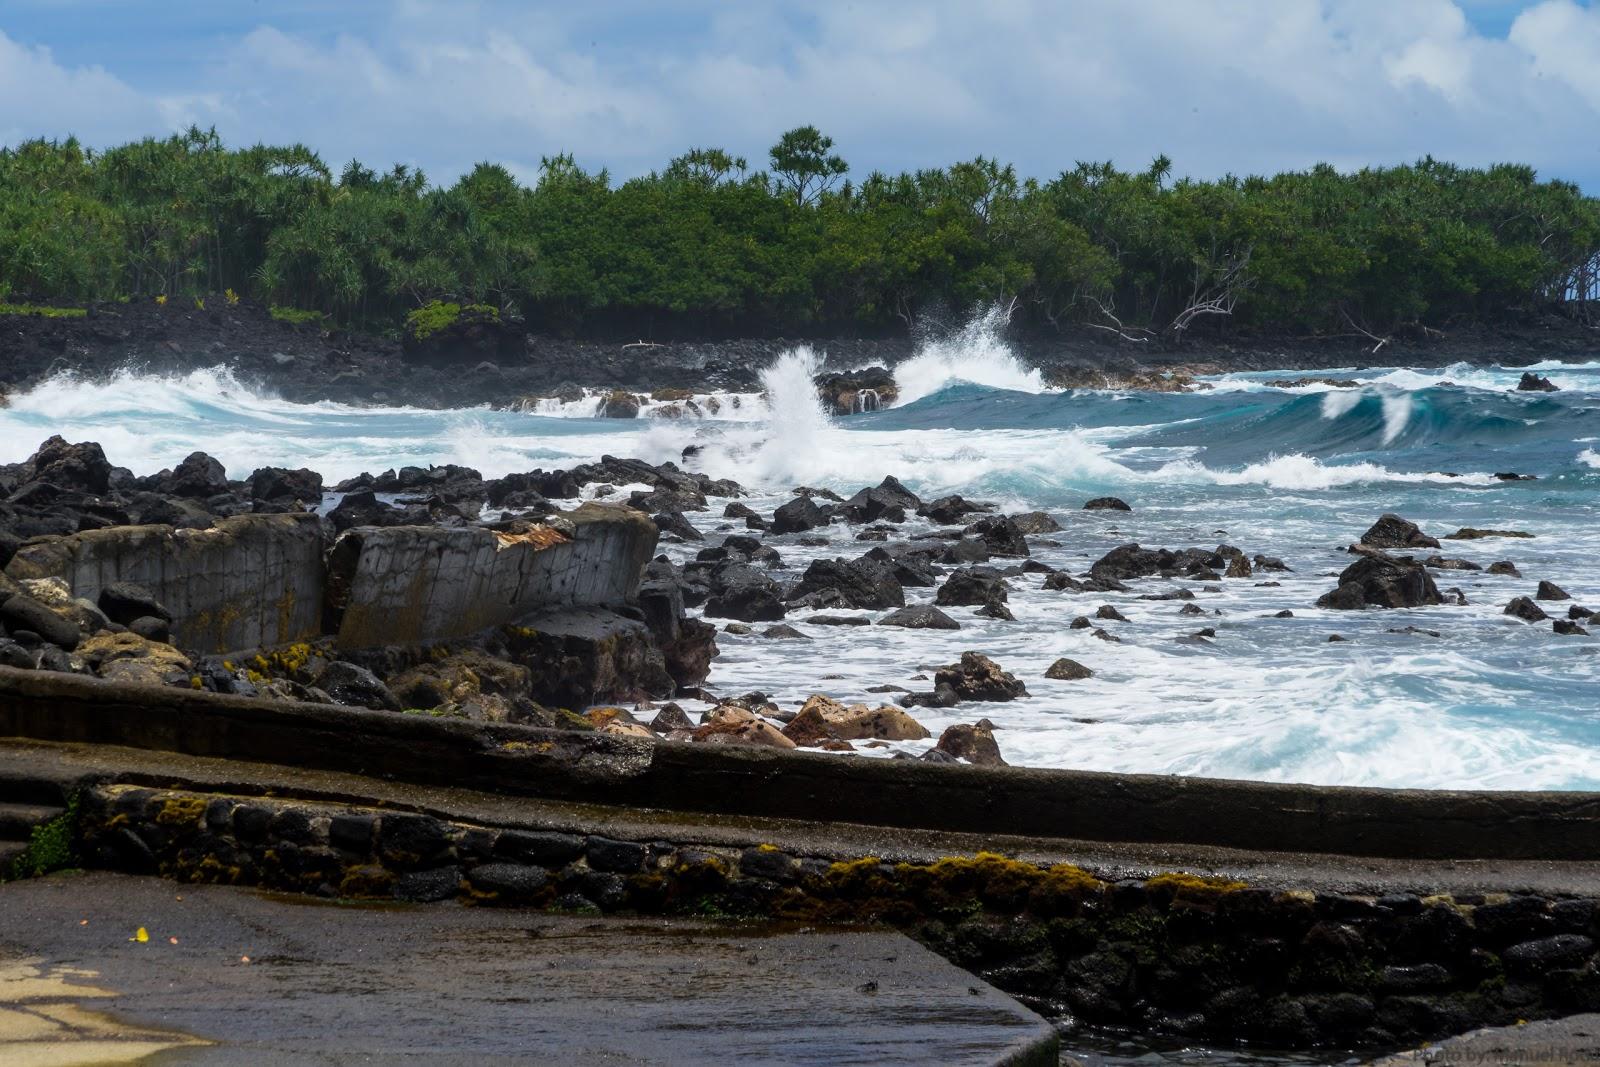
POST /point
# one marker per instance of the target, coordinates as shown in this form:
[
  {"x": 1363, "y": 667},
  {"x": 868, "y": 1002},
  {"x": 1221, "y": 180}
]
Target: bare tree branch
[{"x": 1117, "y": 327}]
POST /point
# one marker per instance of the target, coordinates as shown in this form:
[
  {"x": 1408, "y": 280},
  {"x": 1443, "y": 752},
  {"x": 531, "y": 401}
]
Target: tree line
[{"x": 707, "y": 245}]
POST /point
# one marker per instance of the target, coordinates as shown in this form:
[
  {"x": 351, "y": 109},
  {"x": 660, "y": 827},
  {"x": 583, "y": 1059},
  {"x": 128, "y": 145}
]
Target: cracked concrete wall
[
  {"x": 409, "y": 585},
  {"x": 249, "y": 581}
]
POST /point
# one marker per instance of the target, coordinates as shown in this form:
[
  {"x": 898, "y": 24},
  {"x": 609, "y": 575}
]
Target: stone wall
[
  {"x": 250, "y": 581},
  {"x": 1176, "y": 952},
  {"x": 412, "y": 585}
]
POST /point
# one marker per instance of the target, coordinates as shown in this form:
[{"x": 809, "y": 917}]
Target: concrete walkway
[
  {"x": 1556, "y": 1043},
  {"x": 66, "y": 762},
  {"x": 233, "y": 976}
]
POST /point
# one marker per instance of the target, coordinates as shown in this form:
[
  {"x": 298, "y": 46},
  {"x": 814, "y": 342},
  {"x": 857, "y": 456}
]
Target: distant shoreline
[{"x": 304, "y": 363}]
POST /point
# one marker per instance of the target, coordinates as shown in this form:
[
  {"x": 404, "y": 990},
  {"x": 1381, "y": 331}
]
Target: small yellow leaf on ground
[{"x": 141, "y": 935}]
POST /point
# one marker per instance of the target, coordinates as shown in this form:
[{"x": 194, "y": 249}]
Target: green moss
[
  {"x": 437, "y": 315},
  {"x": 296, "y": 316},
  {"x": 50, "y": 847},
  {"x": 40, "y": 309}
]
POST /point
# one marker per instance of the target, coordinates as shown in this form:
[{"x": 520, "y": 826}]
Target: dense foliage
[{"x": 707, "y": 246}]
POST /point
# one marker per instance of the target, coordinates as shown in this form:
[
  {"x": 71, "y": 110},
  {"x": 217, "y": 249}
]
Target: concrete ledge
[{"x": 695, "y": 778}]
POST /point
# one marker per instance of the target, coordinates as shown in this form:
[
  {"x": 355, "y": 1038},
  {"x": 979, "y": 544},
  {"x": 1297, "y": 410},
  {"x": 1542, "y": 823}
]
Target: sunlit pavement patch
[{"x": 43, "y": 1022}]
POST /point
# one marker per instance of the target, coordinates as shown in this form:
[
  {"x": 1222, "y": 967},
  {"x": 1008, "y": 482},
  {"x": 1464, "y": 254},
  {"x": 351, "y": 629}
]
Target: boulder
[
  {"x": 920, "y": 617},
  {"x": 864, "y": 583},
  {"x": 671, "y": 717},
  {"x": 465, "y": 678},
  {"x": 858, "y": 391},
  {"x": 1000, "y": 535},
  {"x": 783, "y": 632},
  {"x": 975, "y": 744},
  {"x": 281, "y": 484},
  {"x": 948, "y": 509},
  {"x": 1391, "y": 531},
  {"x": 1035, "y": 522},
  {"x": 1068, "y": 670},
  {"x": 23, "y": 612},
  {"x": 972, "y": 587},
  {"x": 127, "y": 657},
  {"x": 687, "y": 645},
  {"x": 1568, "y": 628},
  {"x": 125, "y": 601},
  {"x": 1526, "y": 610},
  {"x": 911, "y": 563},
  {"x": 198, "y": 477},
  {"x": 620, "y": 404},
  {"x": 1106, "y": 503},
  {"x": 966, "y": 550},
  {"x": 754, "y": 733},
  {"x": 1471, "y": 533},
  {"x": 356, "y": 687},
  {"x": 1534, "y": 383},
  {"x": 14, "y": 655},
  {"x": 977, "y": 677},
  {"x": 822, "y": 718},
  {"x": 1506, "y": 568},
  {"x": 673, "y": 522},
  {"x": 152, "y": 628},
  {"x": 83, "y": 467},
  {"x": 942, "y": 696},
  {"x": 1551, "y": 591},
  {"x": 1382, "y": 581},
  {"x": 996, "y": 609},
  {"x": 886, "y": 502},
  {"x": 363, "y": 508},
  {"x": 741, "y": 592},
  {"x": 797, "y": 516}
]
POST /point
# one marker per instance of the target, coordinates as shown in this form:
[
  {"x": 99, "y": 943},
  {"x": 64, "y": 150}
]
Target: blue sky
[{"x": 1218, "y": 85}]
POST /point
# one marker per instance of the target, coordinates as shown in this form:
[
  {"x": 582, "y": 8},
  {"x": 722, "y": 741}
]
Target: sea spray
[{"x": 977, "y": 353}]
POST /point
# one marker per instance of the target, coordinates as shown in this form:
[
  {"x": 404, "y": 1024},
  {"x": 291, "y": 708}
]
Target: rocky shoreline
[
  {"x": 440, "y": 592},
  {"x": 504, "y": 364}
]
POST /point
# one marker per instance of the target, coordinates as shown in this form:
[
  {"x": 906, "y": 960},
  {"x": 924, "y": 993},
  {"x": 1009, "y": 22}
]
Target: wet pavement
[{"x": 234, "y": 976}]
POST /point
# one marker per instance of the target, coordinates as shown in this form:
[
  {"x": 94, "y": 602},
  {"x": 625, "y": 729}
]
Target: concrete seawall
[
  {"x": 586, "y": 767},
  {"x": 264, "y": 580},
  {"x": 249, "y": 581},
  {"x": 412, "y": 585}
]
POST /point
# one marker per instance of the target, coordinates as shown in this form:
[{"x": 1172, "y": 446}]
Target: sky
[{"x": 1220, "y": 86}]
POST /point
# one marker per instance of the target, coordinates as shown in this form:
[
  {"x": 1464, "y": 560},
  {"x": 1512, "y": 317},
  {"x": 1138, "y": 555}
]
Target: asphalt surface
[{"x": 235, "y": 976}]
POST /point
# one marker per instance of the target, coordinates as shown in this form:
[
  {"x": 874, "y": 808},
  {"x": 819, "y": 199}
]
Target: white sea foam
[
  {"x": 1492, "y": 704},
  {"x": 1336, "y": 404},
  {"x": 1396, "y": 413},
  {"x": 1296, "y": 471}
]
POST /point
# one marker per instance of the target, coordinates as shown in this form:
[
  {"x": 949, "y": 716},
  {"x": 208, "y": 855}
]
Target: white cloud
[
  {"x": 1563, "y": 42},
  {"x": 1217, "y": 84},
  {"x": 40, "y": 97}
]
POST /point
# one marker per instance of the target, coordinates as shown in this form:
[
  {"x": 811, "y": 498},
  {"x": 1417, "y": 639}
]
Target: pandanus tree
[{"x": 704, "y": 245}]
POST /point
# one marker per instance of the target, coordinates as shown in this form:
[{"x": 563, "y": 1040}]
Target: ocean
[{"x": 1292, "y": 472}]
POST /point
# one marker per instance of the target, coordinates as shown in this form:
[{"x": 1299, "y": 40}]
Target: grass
[
  {"x": 295, "y": 316},
  {"x": 41, "y": 309},
  {"x": 50, "y": 848}
]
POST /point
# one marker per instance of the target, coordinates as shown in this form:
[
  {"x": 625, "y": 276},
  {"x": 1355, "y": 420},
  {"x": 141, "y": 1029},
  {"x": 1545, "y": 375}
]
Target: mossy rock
[{"x": 449, "y": 333}]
